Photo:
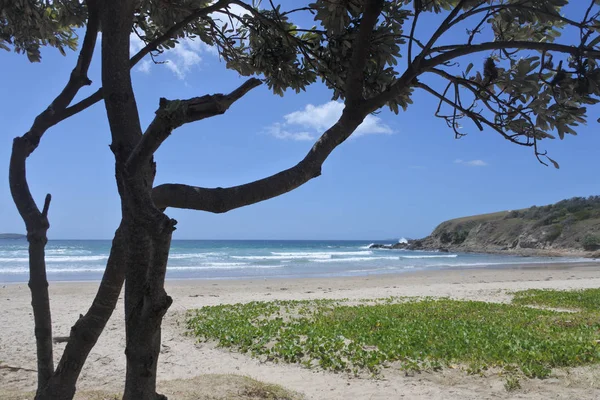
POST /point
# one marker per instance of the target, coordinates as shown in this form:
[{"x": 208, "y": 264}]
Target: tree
[{"x": 522, "y": 80}]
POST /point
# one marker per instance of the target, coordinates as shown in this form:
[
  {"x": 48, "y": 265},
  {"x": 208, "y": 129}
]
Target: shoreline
[
  {"x": 552, "y": 262},
  {"x": 182, "y": 358}
]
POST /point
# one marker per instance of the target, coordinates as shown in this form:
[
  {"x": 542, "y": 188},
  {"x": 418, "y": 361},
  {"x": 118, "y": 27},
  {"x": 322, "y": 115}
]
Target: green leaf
[{"x": 553, "y": 163}]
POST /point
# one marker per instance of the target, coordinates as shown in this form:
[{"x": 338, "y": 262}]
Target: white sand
[{"x": 182, "y": 358}]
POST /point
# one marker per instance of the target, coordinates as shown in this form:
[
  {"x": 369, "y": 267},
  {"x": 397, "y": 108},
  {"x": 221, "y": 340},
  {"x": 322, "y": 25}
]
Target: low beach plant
[
  {"x": 414, "y": 334},
  {"x": 582, "y": 300}
]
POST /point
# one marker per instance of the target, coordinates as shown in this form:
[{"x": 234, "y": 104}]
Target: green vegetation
[
  {"x": 416, "y": 334},
  {"x": 553, "y": 233},
  {"x": 591, "y": 242},
  {"x": 584, "y": 300}
]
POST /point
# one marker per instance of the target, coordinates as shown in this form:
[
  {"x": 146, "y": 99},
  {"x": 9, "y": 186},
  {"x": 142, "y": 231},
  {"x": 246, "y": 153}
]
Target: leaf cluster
[{"x": 28, "y": 25}]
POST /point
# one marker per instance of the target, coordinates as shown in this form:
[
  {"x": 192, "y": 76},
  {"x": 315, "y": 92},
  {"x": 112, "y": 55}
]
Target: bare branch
[
  {"x": 46, "y": 206},
  {"x": 478, "y": 119},
  {"x": 440, "y": 31},
  {"x": 171, "y": 114},
  {"x": 503, "y": 45},
  {"x": 411, "y": 37},
  {"x": 220, "y": 200}
]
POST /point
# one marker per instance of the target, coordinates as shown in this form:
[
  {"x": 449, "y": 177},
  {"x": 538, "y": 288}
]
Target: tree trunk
[
  {"x": 147, "y": 231},
  {"x": 37, "y": 225},
  {"x": 87, "y": 330},
  {"x": 40, "y": 301},
  {"x": 145, "y": 305}
]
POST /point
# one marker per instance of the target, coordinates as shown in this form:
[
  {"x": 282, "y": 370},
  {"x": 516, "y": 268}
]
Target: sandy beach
[{"x": 182, "y": 357}]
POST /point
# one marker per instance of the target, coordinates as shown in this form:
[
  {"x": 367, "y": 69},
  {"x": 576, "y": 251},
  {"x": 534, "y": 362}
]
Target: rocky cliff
[{"x": 567, "y": 228}]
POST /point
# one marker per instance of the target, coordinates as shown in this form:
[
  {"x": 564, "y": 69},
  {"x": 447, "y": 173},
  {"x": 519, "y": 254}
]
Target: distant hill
[
  {"x": 12, "y": 236},
  {"x": 569, "y": 227}
]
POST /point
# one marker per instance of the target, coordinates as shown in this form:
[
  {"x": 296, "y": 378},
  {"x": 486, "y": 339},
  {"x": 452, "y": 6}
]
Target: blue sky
[{"x": 399, "y": 176}]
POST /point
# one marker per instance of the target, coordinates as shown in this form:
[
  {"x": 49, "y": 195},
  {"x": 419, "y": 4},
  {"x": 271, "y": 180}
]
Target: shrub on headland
[{"x": 591, "y": 243}]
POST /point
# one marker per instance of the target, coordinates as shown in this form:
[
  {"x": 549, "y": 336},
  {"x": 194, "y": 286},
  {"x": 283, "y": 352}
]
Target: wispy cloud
[
  {"x": 278, "y": 131},
  {"x": 472, "y": 163},
  {"x": 313, "y": 120},
  {"x": 179, "y": 60},
  {"x": 221, "y": 19}
]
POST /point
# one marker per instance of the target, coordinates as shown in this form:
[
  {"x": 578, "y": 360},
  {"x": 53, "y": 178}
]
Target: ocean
[{"x": 84, "y": 260}]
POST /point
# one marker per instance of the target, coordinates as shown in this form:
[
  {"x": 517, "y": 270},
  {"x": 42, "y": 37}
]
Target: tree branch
[
  {"x": 202, "y": 12},
  {"x": 171, "y": 114},
  {"x": 503, "y": 45},
  {"x": 410, "y": 74},
  {"x": 440, "y": 31},
  {"x": 220, "y": 200},
  {"x": 475, "y": 117},
  {"x": 360, "y": 51},
  {"x": 152, "y": 45},
  {"x": 36, "y": 221}
]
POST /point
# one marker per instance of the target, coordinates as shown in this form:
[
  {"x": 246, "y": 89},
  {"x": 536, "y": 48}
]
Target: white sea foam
[
  {"x": 56, "y": 259},
  {"x": 219, "y": 266},
  {"x": 67, "y": 251},
  {"x": 321, "y": 254},
  {"x": 179, "y": 256},
  {"x": 278, "y": 257},
  {"x": 436, "y": 256},
  {"x": 222, "y": 266},
  {"x": 49, "y": 270},
  {"x": 353, "y": 259},
  {"x": 372, "y": 269}
]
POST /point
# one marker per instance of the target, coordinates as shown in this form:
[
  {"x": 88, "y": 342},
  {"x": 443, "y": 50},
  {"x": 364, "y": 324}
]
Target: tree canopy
[{"x": 502, "y": 63}]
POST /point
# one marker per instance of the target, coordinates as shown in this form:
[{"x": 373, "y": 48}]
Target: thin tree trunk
[
  {"x": 36, "y": 223},
  {"x": 87, "y": 330},
  {"x": 40, "y": 301}
]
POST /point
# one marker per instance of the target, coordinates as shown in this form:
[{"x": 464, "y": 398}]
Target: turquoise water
[{"x": 81, "y": 260}]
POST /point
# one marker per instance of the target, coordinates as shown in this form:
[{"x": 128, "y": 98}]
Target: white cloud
[
  {"x": 472, "y": 163},
  {"x": 135, "y": 44},
  {"x": 179, "y": 60},
  {"x": 187, "y": 54},
  {"x": 320, "y": 118},
  {"x": 278, "y": 131},
  {"x": 144, "y": 66},
  {"x": 182, "y": 58}
]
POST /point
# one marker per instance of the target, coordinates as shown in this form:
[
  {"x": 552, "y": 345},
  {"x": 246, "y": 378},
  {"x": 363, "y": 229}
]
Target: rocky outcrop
[
  {"x": 567, "y": 228},
  {"x": 12, "y": 236},
  {"x": 408, "y": 245}
]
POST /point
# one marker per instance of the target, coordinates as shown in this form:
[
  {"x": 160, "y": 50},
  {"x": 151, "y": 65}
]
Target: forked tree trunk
[{"x": 147, "y": 230}]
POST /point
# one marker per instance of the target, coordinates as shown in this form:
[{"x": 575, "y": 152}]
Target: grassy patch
[
  {"x": 586, "y": 300},
  {"x": 417, "y": 334}
]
